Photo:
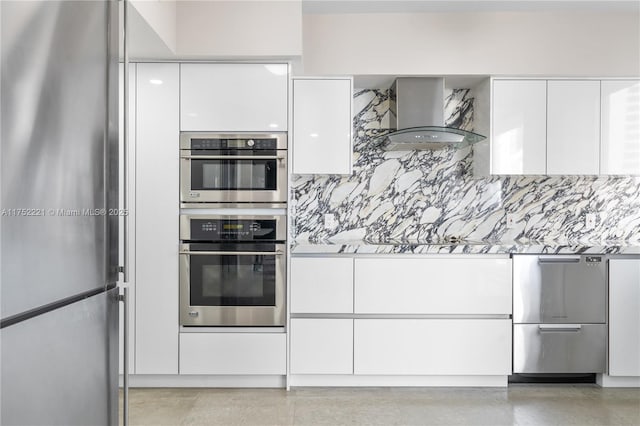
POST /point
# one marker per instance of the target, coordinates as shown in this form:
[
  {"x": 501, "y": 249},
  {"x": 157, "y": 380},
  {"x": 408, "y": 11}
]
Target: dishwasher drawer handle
[
  {"x": 558, "y": 259},
  {"x": 560, "y": 327}
]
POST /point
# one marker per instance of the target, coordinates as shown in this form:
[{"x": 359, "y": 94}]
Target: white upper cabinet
[
  {"x": 519, "y": 127},
  {"x": 620, "y": 114},
  {"x": 233, "y": 97},
  {"x": 322, "y": 125},
  {"x": 564, "y": 127},
  {"x": 573, "y": 127}
]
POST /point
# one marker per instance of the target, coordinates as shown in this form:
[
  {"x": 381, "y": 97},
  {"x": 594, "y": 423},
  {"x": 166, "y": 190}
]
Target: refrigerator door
[
  {"x": 59, "y": 150},
  {"x": 61, "y": 368}
]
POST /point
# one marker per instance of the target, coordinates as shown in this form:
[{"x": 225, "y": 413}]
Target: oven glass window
[
  {"x": 249, "y": 175},
  {"x": 233, "y": 280}
]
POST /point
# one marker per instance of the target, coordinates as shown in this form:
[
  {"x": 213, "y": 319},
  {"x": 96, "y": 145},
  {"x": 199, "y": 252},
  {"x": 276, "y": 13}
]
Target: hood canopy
[{"x": 417, "y": 111}]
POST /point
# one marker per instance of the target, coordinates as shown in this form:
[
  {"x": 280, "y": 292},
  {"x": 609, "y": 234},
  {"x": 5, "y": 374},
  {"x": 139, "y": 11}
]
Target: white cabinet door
[
  {"x": 233, "y": 97},
  {"x": 322, "y": 123},
  {"x": 233, "y": 353},
  {"x": 620, "y": 146},
  {"x": 432, "y": 346},
  {"x": 156, "y": 279},
  {"x": 624, "y": 317},
  {"x": 433, "y": 286},
  {"x": 321, "y": 285},
  {"x": 519, "y": 127},
  {"x": 573, "y": 127},
  {"x": 321, "y": 346}
]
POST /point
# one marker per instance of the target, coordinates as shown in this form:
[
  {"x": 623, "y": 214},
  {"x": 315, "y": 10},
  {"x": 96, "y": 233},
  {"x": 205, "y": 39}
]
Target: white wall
[
  {"x": 574, "y": 43},
  {"x": 145, "y": 41},
  {"x": 161, "y": 17},
  {"x": 239, "y": 29}
]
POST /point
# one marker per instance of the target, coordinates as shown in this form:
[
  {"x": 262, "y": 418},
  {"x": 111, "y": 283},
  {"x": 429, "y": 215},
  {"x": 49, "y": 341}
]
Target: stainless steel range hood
[{"x": 417, "y": 117}]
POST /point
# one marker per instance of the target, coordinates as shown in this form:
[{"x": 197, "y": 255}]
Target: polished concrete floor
[{"x": 516, "y": 405}]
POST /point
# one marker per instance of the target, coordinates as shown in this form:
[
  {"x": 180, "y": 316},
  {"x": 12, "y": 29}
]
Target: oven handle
[
  {"x": 233, "y": 253},
  {"x": 233, "y": 157}
]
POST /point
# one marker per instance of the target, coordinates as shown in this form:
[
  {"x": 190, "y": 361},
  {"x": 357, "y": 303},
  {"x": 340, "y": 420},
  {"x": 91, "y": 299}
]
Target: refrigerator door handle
[
  {"x": 124, "y": 298},
  {"x": 125, "y": 145}
]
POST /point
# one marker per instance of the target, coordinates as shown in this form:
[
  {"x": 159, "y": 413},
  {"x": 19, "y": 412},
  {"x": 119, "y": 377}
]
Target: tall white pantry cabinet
[
  {"x": 152, "y": 192},
  {"x": 165, "y": 98},
  {"x": 157, "y": 207}
]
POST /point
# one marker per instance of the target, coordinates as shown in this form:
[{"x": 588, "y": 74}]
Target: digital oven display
[
  {"x": 232, "y": 226},
  {"x": 236, "y": 143}
]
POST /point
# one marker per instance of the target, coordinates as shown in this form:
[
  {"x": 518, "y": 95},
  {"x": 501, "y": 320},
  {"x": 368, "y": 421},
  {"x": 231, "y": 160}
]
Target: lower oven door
[{"x": 234, "y": 284}]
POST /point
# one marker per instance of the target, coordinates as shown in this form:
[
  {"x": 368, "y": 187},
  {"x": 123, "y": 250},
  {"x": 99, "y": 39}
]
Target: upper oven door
[{"x": 233, "y": 168}]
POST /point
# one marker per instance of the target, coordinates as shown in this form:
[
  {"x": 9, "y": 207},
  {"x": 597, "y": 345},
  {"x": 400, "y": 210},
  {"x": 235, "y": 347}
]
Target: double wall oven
[
  {"x": 233, "y": 194},
  {"x": 232, "y": 270},
  {"x": 241, "y": 168}
]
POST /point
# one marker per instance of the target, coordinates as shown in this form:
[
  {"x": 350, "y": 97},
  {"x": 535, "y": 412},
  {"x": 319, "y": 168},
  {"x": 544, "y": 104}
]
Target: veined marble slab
[
  {"x": 431, "y": 195},
  {"x": 363, "y": 247}
]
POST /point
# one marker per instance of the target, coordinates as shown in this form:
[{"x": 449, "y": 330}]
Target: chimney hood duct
[{"x": 417, "y": 117}]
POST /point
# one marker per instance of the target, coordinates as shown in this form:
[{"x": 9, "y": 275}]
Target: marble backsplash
[{"x": 427, "y": 196}]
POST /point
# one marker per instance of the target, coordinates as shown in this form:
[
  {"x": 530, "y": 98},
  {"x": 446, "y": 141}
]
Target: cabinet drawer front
[
  {"x": 433, "y": 286},
  {"x": 321, "y": 285},
  {"x": 321, "y": 346},
  {"x": 540, "y": 350},
  {"x": 432, "y": 347},
  {"x": 232, "y": 353}
]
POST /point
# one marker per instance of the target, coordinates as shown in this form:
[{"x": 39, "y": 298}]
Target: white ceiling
[{"x": 416, "y": 6}]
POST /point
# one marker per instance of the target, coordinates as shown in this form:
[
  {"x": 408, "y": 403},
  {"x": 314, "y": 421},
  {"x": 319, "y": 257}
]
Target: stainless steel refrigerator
[{"x": 59, "y": 226}]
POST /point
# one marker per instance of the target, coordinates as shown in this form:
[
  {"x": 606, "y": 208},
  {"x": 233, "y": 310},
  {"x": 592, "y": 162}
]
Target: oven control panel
[
  {"x": 213, "y": 143},
  {"x": 234, "y": 230}
]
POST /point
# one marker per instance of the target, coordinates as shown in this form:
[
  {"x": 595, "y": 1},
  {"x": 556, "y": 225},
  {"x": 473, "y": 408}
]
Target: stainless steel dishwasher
[{"x": 559, "y": 314}]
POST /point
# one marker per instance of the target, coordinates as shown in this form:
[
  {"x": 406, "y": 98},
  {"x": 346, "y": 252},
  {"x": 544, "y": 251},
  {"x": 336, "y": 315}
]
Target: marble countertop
[{"x": 463, "y": 247}]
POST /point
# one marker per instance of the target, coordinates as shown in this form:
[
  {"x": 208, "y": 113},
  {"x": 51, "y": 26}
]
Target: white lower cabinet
[
  {"x": 417, "y": 320},
  {"x": 322, "y": 285},
  {"x": 233, "y": 353},
  {"x": 432, "y": 346},
  {"x": 452, "y": 285},
  {"x": 624, "y": 317},
  {"x": 321, "y": 346}
]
